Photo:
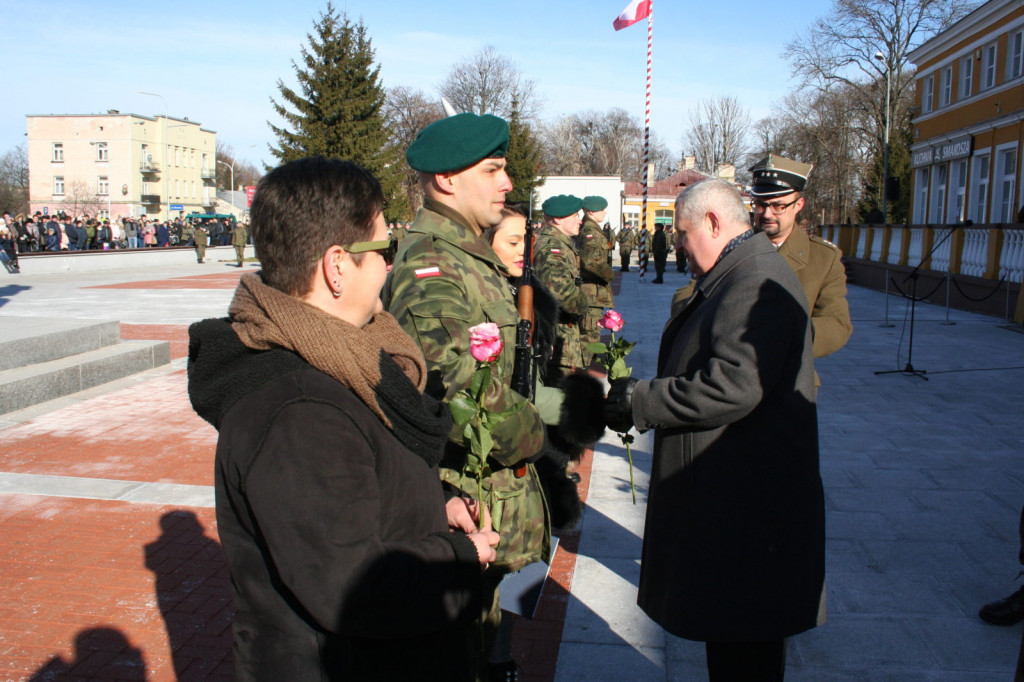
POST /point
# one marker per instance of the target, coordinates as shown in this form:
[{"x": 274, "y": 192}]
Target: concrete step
[
  {"x": 26, "y": 341},
  {"x": 22, "y": 387}
]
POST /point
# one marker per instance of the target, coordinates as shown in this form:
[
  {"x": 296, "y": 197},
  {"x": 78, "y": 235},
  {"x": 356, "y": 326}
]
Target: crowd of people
[{"x": 24, "y": 233}]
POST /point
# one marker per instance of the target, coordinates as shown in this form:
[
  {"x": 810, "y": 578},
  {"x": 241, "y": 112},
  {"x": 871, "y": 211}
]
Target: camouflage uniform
[
  {"x": 445, "y": 280},
  {"x": 627, "y": 242},
  {"x": 597, "y": 276},
  {"x": 558, "y": 268},
  {"x": 201, "y": 236}
]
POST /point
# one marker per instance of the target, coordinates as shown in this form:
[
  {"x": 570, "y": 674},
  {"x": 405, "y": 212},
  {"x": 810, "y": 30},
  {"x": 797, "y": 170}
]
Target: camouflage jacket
[
  {"x": 558, "y": 268},
  {"x": 627, "y": 239},
  {"x": 445, "y": 280},
  {"x": 597, "y": 274}
]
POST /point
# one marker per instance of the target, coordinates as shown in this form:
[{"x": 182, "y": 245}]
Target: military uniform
[
  {"x": 445, "y": 280},
  {"x": 627, "y": 242},
  {"x": 238, "y": 239},
  {"x": 819, "y": 268},
  {"x": 558, "y": 268},
  {"x": 597, "y": 276},
  {"x": 202, "y": 236}
]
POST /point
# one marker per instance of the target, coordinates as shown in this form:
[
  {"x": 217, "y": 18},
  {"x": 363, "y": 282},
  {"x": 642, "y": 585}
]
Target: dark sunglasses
[{"x": 387, "y": 248}]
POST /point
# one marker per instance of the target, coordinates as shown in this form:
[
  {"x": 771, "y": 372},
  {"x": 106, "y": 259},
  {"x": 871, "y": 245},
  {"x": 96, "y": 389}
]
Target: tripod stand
[{"x": 913, "y": 277}]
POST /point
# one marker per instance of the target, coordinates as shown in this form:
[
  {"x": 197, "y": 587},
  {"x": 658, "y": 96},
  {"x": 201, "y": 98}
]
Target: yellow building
[
  {"x": 970, "y": 124},
  {"x": 117, "y": 165}
]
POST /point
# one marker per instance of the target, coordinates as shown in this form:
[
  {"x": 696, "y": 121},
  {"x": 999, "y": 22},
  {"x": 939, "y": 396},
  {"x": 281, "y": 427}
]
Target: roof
[{"x": 670, "y": 186}]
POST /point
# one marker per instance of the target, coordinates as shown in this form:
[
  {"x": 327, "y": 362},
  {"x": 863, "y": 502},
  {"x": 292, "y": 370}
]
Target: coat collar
[
  {"x": 448, "y": 225},
  {"x": 796, "y": 249}
]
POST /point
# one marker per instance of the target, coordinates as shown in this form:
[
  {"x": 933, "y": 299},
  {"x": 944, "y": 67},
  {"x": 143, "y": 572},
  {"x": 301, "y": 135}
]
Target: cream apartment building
[{"x": 116, "y": 165}]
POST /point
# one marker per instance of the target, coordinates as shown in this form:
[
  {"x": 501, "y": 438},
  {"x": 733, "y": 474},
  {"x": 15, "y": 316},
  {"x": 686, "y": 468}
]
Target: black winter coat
[
  {"x": 734, "y": 542},
  {"x": 342, "y": 565}
]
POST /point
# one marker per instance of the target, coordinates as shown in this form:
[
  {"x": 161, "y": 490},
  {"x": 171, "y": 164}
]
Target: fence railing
[{"x": 993, "y": 251}]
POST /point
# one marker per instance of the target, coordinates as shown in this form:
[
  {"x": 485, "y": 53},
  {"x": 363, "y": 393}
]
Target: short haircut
[
  {"x": 302, "y": 208},
  {"x": 713, "y": 194}
]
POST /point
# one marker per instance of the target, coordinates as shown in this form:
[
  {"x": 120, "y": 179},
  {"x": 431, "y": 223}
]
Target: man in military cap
[
  {"x": 558, "y": 268},
  {"x": 777, "y": 189},
  {"x": 596, "y": 272},
  {"x": 446, "y": 279}
]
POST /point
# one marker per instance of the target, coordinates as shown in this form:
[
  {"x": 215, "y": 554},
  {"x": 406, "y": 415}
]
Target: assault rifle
[{"x": 524, "y": 365}]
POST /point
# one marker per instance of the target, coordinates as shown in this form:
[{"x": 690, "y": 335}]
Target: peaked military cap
[
  {"x": 594, "y": 203},
  {"x": 561, "y": 205},
  {"x": 775, "y": 176},
  {"x": 458, "y": 142}
]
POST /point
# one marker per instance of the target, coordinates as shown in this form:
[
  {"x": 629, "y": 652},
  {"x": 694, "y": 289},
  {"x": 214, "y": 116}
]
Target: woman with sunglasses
[{"x": 343, "y": 561}]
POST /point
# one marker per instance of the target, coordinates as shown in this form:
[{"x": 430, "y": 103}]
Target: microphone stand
[{"x": 913, "y": 277}]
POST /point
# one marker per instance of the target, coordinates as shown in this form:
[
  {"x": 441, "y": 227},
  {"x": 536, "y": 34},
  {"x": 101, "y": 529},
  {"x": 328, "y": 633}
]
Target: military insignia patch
[
  {"x": 428, "y": 272},
  {"x": 556, "y": 251}
]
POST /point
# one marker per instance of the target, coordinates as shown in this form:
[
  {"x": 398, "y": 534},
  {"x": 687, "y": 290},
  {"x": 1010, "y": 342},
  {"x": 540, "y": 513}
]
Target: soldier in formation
[{"x": 595, "y": 271}]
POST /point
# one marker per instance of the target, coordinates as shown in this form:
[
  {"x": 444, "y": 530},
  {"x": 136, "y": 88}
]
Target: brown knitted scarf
[{"x": 266, "y": 318}]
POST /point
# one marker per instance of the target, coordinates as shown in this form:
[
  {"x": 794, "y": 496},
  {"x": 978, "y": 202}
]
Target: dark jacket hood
[{"x": 221, "y": 370}]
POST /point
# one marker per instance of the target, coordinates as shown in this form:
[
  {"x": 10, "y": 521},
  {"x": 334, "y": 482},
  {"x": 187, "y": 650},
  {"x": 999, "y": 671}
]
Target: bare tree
[
  {"x": 245, "y": 173},
  {"x": 718, "y": 132},
  {"x": 839, "y": 50},
  {"x": 14, "y": 181},
  {"x": 407, "y": 111},
  {"x": 601, "y": 143},
  {"x": 79, "y": 199},
  {"x": 487, "y": 83}
]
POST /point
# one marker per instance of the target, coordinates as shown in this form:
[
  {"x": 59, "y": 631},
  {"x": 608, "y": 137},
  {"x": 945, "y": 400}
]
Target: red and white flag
[{"x": 636, "y": 11}]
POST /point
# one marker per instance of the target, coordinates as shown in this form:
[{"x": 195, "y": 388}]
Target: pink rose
[
  {"x": 485, "y": 342},
  {"x": 611, "y": 321}
]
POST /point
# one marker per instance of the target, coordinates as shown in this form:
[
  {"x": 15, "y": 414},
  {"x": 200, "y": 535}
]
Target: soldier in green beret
[
  {"x": 777, "y": 189},
  {"x": 558, "y": 268},
  {"x": 446, "y": 279},
  {"x": 596, "y": 272}
]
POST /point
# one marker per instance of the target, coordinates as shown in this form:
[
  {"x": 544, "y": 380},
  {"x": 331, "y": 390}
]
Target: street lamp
[
  {"x": 167, "y": 165},
  {"x": 885, "y": 152}
]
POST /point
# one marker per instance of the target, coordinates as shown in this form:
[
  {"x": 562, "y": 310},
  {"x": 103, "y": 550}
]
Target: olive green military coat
[{"x": 557, "y": 265}]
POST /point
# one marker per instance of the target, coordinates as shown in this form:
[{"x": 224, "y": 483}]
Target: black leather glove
[{"x": 618, "y": 406}]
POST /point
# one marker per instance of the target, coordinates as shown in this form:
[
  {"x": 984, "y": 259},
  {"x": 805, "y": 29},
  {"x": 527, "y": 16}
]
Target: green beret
[
  {"x": 594, "y": 203},
  {"x": 458, "y": 142},
  {"x": 561, "y": 205}
]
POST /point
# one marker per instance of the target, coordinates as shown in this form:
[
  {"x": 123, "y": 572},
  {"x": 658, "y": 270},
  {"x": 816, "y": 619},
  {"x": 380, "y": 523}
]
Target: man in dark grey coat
[{"x": 734, "y": 542}]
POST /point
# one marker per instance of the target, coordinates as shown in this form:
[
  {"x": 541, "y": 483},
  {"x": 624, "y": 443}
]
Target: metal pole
[
  {"x": 948, "y": 276},
  {"x": 886, "y": 323},
  {"x": 231, "y": 167},
  {"x": 885, "y": 153}
]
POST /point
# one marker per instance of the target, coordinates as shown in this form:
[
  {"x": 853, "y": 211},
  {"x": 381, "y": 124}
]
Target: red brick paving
[
  {"x": 177, "y": 334},
  {"x": 146, "y": 432},
  {"x": 218, "y": 280}
]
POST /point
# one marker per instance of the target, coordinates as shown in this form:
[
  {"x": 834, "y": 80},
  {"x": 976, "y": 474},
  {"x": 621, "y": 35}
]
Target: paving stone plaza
[{"x": 111, "y": 567}]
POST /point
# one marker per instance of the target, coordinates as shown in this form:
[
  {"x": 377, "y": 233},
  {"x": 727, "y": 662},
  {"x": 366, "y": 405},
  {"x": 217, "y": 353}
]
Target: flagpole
[{"x": 647, "y": 117}]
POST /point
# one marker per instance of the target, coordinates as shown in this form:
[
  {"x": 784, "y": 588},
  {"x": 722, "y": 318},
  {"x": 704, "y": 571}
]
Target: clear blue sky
[{"x": 218, "y": 62}]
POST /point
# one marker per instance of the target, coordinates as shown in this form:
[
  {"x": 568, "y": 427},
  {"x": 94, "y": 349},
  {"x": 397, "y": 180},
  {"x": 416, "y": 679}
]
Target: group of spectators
[{"x": 61, "y": 232}]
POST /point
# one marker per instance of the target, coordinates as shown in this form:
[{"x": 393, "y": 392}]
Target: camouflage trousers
[{"x": 590, "y": 332}]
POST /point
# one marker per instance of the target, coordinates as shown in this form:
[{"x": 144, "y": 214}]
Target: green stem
[{"x": 629, "y": 455}]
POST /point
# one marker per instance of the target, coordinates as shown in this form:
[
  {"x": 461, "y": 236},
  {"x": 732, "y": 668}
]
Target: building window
[
  {"x": 946, "y": 87},
  {"x": 102, "y": 153},
  {"x": 928, "y": 95},
  {"x": 957, "y": 190},
  {"x": 102, "y": 186},
  {"x": 177, "y": 189},
  {"x": 921, "y": 200},
  {"x": 58, "y": 152},
  {"x": 58, "y": 184},
  {"x": 937, "y": 214},
  {"x": 966, "y": 76},
  {"x": 1016, "y": 66},
  {"x": 979, "y": 188},
  {"x": 1004, "y": 198},
  {"x": 988, "y": 66}
]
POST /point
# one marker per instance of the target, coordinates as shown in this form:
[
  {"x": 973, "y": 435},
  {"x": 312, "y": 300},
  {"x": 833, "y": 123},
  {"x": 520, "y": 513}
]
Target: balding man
[{"x": 734, "y": 542}]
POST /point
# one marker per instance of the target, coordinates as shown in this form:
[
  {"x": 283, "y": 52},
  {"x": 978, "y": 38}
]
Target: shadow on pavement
[{"x": 100, "y": 653}]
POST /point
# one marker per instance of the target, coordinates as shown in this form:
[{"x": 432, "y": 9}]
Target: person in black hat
[
  {"x": 558, "y": 268},
  {"x": 777, "y": 189}
]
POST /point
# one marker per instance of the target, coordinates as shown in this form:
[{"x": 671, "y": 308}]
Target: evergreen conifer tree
[
  {"x": 337, "y": 110},
  {"x": 522, "y": 157}
]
